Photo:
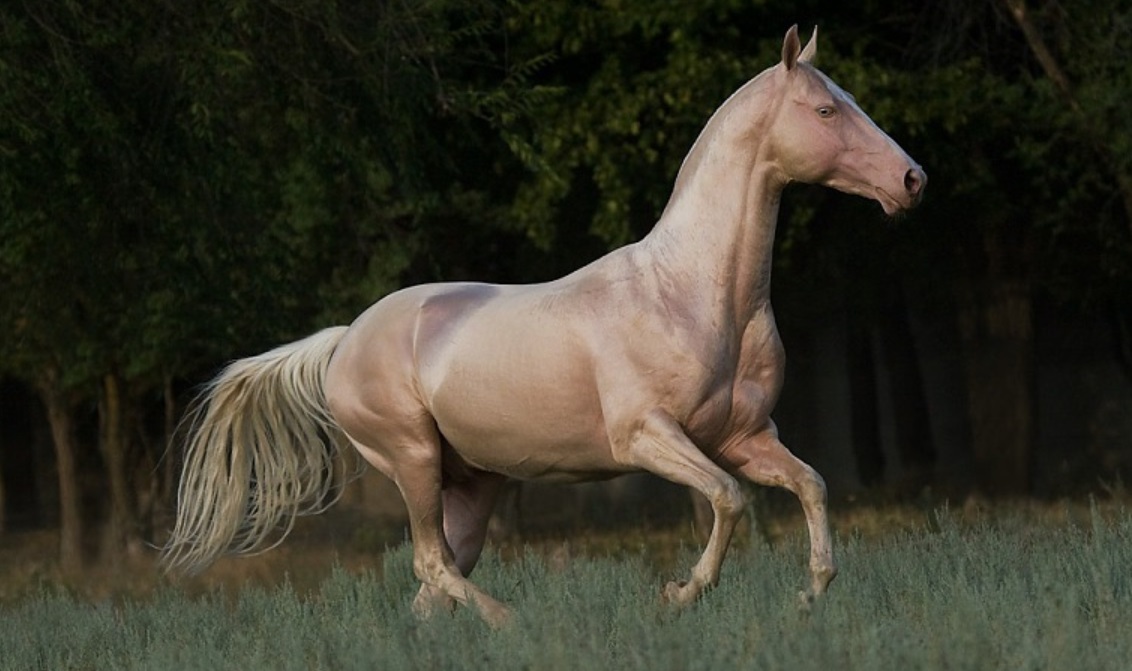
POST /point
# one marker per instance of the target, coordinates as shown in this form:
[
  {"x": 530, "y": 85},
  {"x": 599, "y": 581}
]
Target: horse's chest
[
  {"x": 739, "y": 398},
  {"x": 709, "y": 419}
]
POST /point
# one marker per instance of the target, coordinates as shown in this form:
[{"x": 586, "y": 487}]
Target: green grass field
[{"x": 1005, "y": 593}]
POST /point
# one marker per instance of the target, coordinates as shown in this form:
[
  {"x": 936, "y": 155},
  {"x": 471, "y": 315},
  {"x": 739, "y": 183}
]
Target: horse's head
[{"x": 821, "y": 136}]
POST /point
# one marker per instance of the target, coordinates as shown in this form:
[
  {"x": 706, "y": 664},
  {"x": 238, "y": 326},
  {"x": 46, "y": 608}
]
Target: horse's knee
[{"x": 728, "y": 499}]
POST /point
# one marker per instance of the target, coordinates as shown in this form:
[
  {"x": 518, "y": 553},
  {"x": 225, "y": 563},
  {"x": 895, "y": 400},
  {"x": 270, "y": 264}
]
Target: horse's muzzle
[{"x": 914, "y": 182}]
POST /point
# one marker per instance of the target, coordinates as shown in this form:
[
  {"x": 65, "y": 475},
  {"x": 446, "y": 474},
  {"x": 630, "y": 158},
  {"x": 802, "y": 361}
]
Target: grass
[{"x": 994, "y": 591}]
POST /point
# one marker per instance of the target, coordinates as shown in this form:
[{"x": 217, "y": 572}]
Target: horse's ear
[
  {"x": 811, "y": 49},
  {"x": 791, "y": 46}
]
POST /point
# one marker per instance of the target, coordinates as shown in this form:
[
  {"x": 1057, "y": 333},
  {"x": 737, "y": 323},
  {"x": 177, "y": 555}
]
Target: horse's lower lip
[{"x": 887, "y": 202}]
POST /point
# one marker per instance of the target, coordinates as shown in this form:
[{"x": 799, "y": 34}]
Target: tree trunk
[
  {"x": 1122, "y": 335},
  {"x": 169, "y": 463},
  {"x": 61, "y": 419},
  {"x": 910, "y": 415},
  {"x": 864, "y": 413},
  {"x": 121, "y": 529},
  {"x": 3, "y": 499},
  {"x": 997, "y": 333},
  {"x": 1094, "y": 128}
]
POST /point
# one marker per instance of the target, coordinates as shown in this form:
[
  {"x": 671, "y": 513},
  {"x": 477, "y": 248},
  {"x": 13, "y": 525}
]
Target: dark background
[{"x": 183, "y": 184}]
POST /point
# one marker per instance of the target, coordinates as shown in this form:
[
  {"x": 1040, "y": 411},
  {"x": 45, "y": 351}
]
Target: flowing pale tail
[{"x": 261, "y": 449}]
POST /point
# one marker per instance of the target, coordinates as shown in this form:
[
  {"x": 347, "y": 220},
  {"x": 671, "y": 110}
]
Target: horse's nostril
[{"x": 914, "y": 181}]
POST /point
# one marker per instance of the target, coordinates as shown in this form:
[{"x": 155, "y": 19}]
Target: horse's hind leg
[
  {"x": 765, "y": 460},
  {"x": 467, "y": 509},
  {"x": 417, "y": 473}
]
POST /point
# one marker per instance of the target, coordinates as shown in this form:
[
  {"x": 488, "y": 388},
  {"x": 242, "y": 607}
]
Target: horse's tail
[{"x": 261, "y": 448}]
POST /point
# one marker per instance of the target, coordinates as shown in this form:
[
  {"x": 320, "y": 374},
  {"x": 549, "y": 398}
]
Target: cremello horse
[{"x": 661, "y": 356}]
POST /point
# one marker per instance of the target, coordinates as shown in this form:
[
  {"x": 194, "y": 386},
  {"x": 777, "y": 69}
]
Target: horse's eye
[{"x": 826, "y": 111}]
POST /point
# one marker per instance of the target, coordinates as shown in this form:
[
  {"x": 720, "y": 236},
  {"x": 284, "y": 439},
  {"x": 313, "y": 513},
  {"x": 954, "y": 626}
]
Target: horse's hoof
[
  {"x": 678, "y": 593},
  {"x": 805, "y": 600},
  {"x": 423, "y": 608},
  {"x": 671, "y": 591},
  {"x": 497, "y": 615},
  {"x": 427, "y": 603}
]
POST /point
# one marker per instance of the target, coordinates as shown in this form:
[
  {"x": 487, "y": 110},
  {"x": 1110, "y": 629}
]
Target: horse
[{"x": 661, "y": 356}]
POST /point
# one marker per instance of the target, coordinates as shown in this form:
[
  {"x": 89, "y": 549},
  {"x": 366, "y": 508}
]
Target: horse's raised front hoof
[{"x": 680, "y": 593}]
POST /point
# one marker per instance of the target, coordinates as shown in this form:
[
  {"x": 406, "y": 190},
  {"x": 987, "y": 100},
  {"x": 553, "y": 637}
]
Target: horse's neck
[{"x": 717, "y": 232}]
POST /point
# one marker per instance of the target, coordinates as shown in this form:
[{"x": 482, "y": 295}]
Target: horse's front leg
[
  {"x": 765, "y": 460},
  {"x": 660, "y": 446}
]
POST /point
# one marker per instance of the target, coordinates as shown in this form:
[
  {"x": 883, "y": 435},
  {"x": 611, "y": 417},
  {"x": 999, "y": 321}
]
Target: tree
[
  {"x": 1095, "y": 50},
  {"x": 191, "y": 183}
]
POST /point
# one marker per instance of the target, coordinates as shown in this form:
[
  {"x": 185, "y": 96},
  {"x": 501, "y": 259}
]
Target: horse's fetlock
[
  {"x": 426, "y": 569},
  {"x": 822, "y": 575}
]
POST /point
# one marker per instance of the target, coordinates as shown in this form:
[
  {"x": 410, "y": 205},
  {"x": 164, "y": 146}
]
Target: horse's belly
[
  {"x": 510, "y": 384},
  {"x": 528, "y": 419},
  {"x": 527, "y": 422},
  {"x": 534, "y": 446}
]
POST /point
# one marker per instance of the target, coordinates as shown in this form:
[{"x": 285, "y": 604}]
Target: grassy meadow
[{"x": 1008, "y": 590}]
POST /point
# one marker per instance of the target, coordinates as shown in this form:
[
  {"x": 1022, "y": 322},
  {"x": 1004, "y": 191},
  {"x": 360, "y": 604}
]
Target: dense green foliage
[
  {"x": 1008, "y": 595},
  {"x": 184, "y": 184}
]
